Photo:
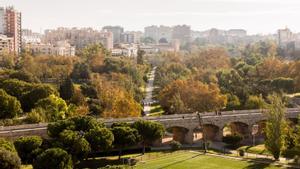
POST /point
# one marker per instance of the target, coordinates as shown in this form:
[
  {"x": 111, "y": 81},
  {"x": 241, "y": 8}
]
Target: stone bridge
[{"x": 186, "y": 128}]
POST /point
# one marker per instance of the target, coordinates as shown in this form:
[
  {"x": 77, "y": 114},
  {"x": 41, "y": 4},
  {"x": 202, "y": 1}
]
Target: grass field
[
  {"x": 194, "y": 160},
  {"x": 259, "y": 149},
  {"x": 26, "y": 167},
  {"x": 175, "y": 160}
]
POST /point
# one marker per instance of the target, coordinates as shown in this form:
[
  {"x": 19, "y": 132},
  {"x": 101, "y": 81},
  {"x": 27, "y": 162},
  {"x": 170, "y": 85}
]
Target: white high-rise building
[
  {"x": 284, "y": 36},
  {"x": 152, "y": 32},
  {"x": 2, "y": 21}
]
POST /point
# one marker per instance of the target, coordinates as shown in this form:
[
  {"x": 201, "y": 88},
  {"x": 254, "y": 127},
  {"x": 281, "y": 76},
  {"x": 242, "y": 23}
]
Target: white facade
[
  {"x": 2, "y": 20},
  {"x": 128, "y": 50},
  {"x": 284, "y": 36},
  {"x": 61, "y": 48},
  {"x": 165, "y": 32},
  {"x": 237, "y": 32},
  {"x": 6, "y": 43},
  {"x": 31, "y": 37}
]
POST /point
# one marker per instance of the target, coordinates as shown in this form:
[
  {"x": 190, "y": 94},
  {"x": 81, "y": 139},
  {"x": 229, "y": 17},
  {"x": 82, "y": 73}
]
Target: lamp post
[
  {"x": 203, "y": 134},
  {"x": 254, "y": 132}
]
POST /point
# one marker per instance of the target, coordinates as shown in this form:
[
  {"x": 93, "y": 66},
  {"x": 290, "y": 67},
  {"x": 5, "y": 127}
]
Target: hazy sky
[{"x": 256, "y": 16}]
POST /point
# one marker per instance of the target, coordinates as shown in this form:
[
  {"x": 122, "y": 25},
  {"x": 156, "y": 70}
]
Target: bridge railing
[{"x": 156, "y": 118}]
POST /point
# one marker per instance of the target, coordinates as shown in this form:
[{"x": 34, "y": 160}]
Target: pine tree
[{"x": 66, "y": 89}]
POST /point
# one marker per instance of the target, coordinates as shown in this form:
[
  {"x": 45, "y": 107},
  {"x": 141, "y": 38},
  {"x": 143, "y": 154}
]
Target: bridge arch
[
  {"x": 209, "y": 132},
  {"x": 178, "y": 133},
  {"x": 237, "y": 127},
  {"x": 260, "y": 135}
]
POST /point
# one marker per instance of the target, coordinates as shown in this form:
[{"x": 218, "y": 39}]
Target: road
[{"x": 149, "y": 92}]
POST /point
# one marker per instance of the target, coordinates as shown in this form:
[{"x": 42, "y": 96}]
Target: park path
[
  {"x": 221, "y": 147},
  {"x": 149, "y": 91}
]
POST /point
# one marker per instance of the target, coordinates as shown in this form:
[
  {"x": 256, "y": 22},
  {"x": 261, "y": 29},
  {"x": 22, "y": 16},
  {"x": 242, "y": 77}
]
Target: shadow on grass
[
  {"x": 257, "y": 166},
  {"x": 97, "y": 163},
  {"x": 181, "y": 161},
  {"x": 260, "y": 163}
]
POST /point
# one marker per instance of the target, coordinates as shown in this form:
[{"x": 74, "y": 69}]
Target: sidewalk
[{"x": 149, "y": 90}]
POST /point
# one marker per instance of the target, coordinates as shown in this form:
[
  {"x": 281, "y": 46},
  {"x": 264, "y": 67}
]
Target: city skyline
[{"x": 199, "y": 14}]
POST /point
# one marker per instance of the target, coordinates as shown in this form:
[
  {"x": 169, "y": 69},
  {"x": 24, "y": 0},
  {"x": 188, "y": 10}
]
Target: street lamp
[
  {"x": 254, "y": 132},
  {"x": 203, "y": 134}
]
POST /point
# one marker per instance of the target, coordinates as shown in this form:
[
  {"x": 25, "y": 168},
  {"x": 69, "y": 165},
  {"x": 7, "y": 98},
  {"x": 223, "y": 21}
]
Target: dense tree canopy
[
  {"x": 10, "y": 106},
  {"x": 53, "y": 158},
  {"x": 149, "y": 131},
  {"x": 190, "y": 96}
]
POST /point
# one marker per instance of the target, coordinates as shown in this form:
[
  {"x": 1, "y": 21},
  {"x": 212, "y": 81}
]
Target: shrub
[
  {"x": 291, "y": 153},
  {"x": 9, "y": 160},
  {"x": 175, "y": 145},
  {"x": 54, "y": 158},
  {"x": 241, "y": 153},
  {"x": 7, "y": 145},
  {"x": 36, "y": 116},
  {"x": 10, "y": 106},
  {"x": 255, "y": 102},
  {"x": 25, "y": 147},
  {"x": 232, "y": 140}
]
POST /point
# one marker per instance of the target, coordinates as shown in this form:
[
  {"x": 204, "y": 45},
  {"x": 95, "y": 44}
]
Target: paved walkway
[
  {"x": 149, "y": 91},
  {"x": 220, "y": 146}
]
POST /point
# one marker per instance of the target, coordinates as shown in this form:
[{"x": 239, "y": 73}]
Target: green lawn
[
  {"x": 26, "y": 167},
  {"x": 259, "y": 149},
  {"x": 194, "y": 160},
  {"x": 175, "y": 160}
]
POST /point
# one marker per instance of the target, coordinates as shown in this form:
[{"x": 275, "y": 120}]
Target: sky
[{"x": 256, "y": 16}]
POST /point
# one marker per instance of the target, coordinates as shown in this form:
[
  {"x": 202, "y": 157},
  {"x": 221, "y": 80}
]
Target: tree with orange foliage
[
  {"x": 211, "y": 58},
  {"x": 188, "y": 96},
  {"x": 116, "y": 102}
]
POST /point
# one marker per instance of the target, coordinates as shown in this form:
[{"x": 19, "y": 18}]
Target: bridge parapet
[{"x": 188, "y": 121}]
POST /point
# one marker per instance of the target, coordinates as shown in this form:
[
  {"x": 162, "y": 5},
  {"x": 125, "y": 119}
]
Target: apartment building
[{"x": 11, "y": 26}]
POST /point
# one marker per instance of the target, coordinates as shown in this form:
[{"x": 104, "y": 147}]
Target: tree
[
  {"x": 117, "y": 102},
  {"x": 7, "y": 145},
  {"x": 38, "y": 92},
  {"x": 86, "y": 123},
  {"x": 100, "y": 138},
  {"x": 24, "y": 76},
  {"x": 232, "y": 140},
  {"x": 189, "y": 96},
  {"x": 149, "y": 131},
  {"x": 89, "y": 90},
  {"x": 54, "y": 129},
  {"x": 66, "y": 89},
  {"x": 255, "y": 102},
  {"x": 80, "y": 149},
  {"x": 124, "y": 137},
  {"x": 53, "y": 158},
  {"x": 27, "y": 93},
  {"x": 80, "y": 124},
  {"x": 283, "y": 84},
  {"x": 10, "y": 106},
  {"x": 7, "y": 60},
  {"x": 81, "y": 71},
  {"x": 75, "y": 144},
  {"x": 54, "y": 108},
  {"x": 276, "y": 126},
  {"x": 26, "y": 146},
  {"x": 233, "y": 102},
  {"x": 211, "y": 58},
  {"x": 140, "y": 57},
  {"x": 9, "y": 160}
]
